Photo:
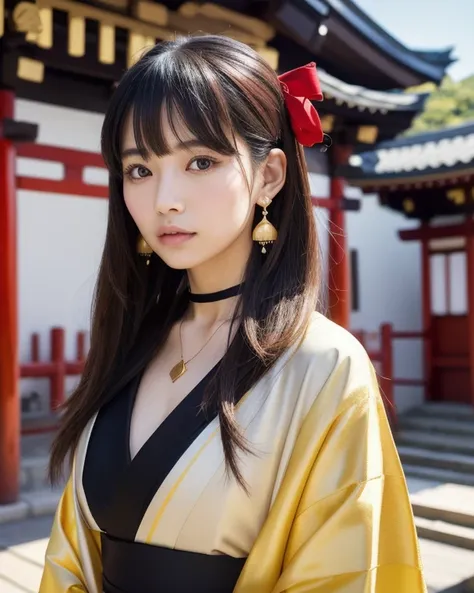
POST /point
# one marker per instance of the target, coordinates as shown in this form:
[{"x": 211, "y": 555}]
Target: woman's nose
[{"x": 168, "y": 198}]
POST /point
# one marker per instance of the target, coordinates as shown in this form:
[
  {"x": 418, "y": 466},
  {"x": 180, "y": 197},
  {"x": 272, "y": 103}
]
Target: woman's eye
[
  {"x": 137, "y": 172},
  {"x": 202, "y": 164}
]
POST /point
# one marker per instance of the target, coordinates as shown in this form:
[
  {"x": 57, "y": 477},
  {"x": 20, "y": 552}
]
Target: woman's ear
[{"x": 274, "y": 173}]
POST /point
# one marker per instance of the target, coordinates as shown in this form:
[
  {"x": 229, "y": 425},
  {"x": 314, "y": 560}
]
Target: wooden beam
[
  {"x": 86, "y": 11},
  {"x": 19, "y": 131},
  {"x": 427, "y": 317},
  {"x": 252, "y": 25},
  {"x": 426, "y": 232},
  {"x": 2, "y": 17},
  {"x": 346, "y": 204},
  {"x": 338, "y": 274}
]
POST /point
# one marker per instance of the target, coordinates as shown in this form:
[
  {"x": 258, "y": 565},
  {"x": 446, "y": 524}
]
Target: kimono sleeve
[
  {"x": 354, "y": 530},
  {"x": 73, "y": 559}
]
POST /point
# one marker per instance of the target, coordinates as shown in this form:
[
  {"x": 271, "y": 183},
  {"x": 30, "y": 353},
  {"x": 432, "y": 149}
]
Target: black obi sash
[
  {"x": 133, "y": 567},
  {"x": 119, "y": 490}
]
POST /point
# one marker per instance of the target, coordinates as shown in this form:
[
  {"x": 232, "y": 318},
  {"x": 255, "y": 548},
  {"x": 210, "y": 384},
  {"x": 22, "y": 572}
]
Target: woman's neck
[{"x": 212, "y": 280}]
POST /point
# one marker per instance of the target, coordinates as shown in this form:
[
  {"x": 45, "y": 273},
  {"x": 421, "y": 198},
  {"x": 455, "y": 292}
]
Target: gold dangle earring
[
  {"x": 144, "y": 249},
  {"x": 264, "y": 232}
]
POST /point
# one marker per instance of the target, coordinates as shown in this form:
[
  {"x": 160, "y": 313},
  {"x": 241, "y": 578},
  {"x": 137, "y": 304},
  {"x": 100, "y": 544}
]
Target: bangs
[{"x": 182, "y": 88}]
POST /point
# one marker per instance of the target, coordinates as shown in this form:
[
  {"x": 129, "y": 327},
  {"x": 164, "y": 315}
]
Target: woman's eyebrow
[{"x": 181, "y": 145}]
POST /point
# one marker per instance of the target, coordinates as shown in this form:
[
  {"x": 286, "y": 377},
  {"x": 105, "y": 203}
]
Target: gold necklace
[{"x": 180, "y": 368}]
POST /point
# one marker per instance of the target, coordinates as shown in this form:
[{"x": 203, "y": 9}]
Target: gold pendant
[{"x": 178, "y": 370}]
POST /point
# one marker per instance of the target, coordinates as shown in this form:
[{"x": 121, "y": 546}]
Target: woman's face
[{"x": 192, "y": 204}]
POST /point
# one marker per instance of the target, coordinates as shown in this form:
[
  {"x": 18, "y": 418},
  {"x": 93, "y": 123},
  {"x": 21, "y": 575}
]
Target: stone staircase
[
  {"x": 436, "y": 441},
  {"x": 436, "y": 446}
]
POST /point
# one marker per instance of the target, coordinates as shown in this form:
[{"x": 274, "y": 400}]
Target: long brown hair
[{"x": 216, "y": 85}]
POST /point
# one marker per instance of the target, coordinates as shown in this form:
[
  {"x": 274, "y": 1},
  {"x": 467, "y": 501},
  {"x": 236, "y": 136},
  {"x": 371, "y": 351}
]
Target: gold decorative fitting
[
  {"x": 26, "y": 18},
  {"x": 120, "y": 5},
  {"x": 151, "y": 22},
  {"x": 77, "y": 36},
  {"x": 327, "y": 122},
  {"x": 106, "y": 44},
  {"x": 367, "y": 134},
  {"x": 408, "y": 205},
  {"x": 457, "y": 196},
  {"x": 270, "y": 55},
  {"x": 151, "y": 12},
  {"x": 31, "y": 70},
  {"x": 2, "y": 17},
  {"x": 136, "y": 46},
  {"x": 45, "y": 38},
  {"x": 251, "y": 25}
]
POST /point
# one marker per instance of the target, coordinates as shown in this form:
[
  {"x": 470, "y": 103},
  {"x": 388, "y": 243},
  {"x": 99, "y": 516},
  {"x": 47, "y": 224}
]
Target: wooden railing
[
  {"x": 57, "y": 369},
  {"x": 384, "y": 357}
]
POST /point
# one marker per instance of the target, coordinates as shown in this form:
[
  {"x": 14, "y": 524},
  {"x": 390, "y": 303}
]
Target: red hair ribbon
[{"x": 299, "y": 87}]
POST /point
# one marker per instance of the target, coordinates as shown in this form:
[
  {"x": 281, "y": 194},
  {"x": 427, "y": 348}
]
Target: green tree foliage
[{"x": 449, "y": 105}]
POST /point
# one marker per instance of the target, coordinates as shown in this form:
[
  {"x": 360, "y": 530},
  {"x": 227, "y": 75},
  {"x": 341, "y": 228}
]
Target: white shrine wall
[{"x": 60, "y": 239}]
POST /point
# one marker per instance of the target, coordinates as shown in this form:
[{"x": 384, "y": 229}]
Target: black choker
[{"x": 212, "y": 297}]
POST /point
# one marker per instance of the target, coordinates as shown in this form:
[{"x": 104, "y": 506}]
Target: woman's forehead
[
  {"x": 174, "y": 135},
  {"x": 177, "y": 130}
]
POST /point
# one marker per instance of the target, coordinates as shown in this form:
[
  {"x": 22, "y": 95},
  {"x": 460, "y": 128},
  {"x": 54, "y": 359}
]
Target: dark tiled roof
[
  {"x": 362, "y": 98},
  {"x": 423, "y": 154},
  {"x": 432, "y": 64}
]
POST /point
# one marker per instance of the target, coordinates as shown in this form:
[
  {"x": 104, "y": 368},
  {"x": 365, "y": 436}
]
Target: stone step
[
  {"x": 36, "y": 445},
  {"x": 437, "y": 459},
  {"x": 446, "y": 533},
  {"x": 436, "y": 442},
  {"x": 462, "y": 412},
  {"x": 446, "y": 568},
  {"x": 451, "y": 503},
  {"x": 34, "y": 473},
  {"x": 31, "y": 504},
  {"x": 434, "y": 473},
  {"x": 436, "y": 425}
]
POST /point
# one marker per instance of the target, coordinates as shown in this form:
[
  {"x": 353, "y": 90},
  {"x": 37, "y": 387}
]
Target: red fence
[
  {"x": 384, "y": 357},
  {"x": 74, "y": 163},
  {"x": 57, "y": 369}
]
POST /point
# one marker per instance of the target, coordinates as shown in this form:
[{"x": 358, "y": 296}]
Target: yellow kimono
[{"x": 328, "y": 509}]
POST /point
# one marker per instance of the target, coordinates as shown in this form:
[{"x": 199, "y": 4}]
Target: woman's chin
[{"x": 180, "y": 262}]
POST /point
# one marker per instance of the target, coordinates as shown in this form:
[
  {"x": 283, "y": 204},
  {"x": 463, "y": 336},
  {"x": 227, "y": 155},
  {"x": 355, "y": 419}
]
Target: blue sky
[{"x": 429, "y": 24}]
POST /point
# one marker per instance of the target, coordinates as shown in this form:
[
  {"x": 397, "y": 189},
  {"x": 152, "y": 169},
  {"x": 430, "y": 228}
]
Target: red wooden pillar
[
  {"x": 386, "y": 372},
  {"x": 470, "y": 306},
  {"x": 427, "y": 315},
  {"x": 338, "y": 266},
  {"x": 9, "y": 379}
]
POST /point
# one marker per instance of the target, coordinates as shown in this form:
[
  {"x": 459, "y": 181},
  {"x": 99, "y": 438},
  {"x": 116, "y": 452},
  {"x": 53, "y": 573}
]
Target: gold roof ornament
[
  {"x": 457, "y": 196},
  {"x": 106, "y": 44},
  {"x": 26, "y": 18},
  {"x": 256, "y": 27},
  {"x": 408, "y": 205},
  {"x": 367, "y": 134},
  {"x": 45, "y": 37},
  {"x": 327, "y": 122},
  {"x": 31, "y": 70},
  {"x": 151, "y": 22},
  {"x": 151, "y": 12},
  {"x": 76, "y": 46}
]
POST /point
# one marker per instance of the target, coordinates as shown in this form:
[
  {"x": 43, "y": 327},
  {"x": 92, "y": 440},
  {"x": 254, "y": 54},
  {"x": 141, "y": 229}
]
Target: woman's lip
[{"x": 175, "y": 238}]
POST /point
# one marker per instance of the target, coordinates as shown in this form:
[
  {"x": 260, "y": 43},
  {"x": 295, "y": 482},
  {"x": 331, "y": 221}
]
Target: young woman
[{"x": 224, "y": 436}]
